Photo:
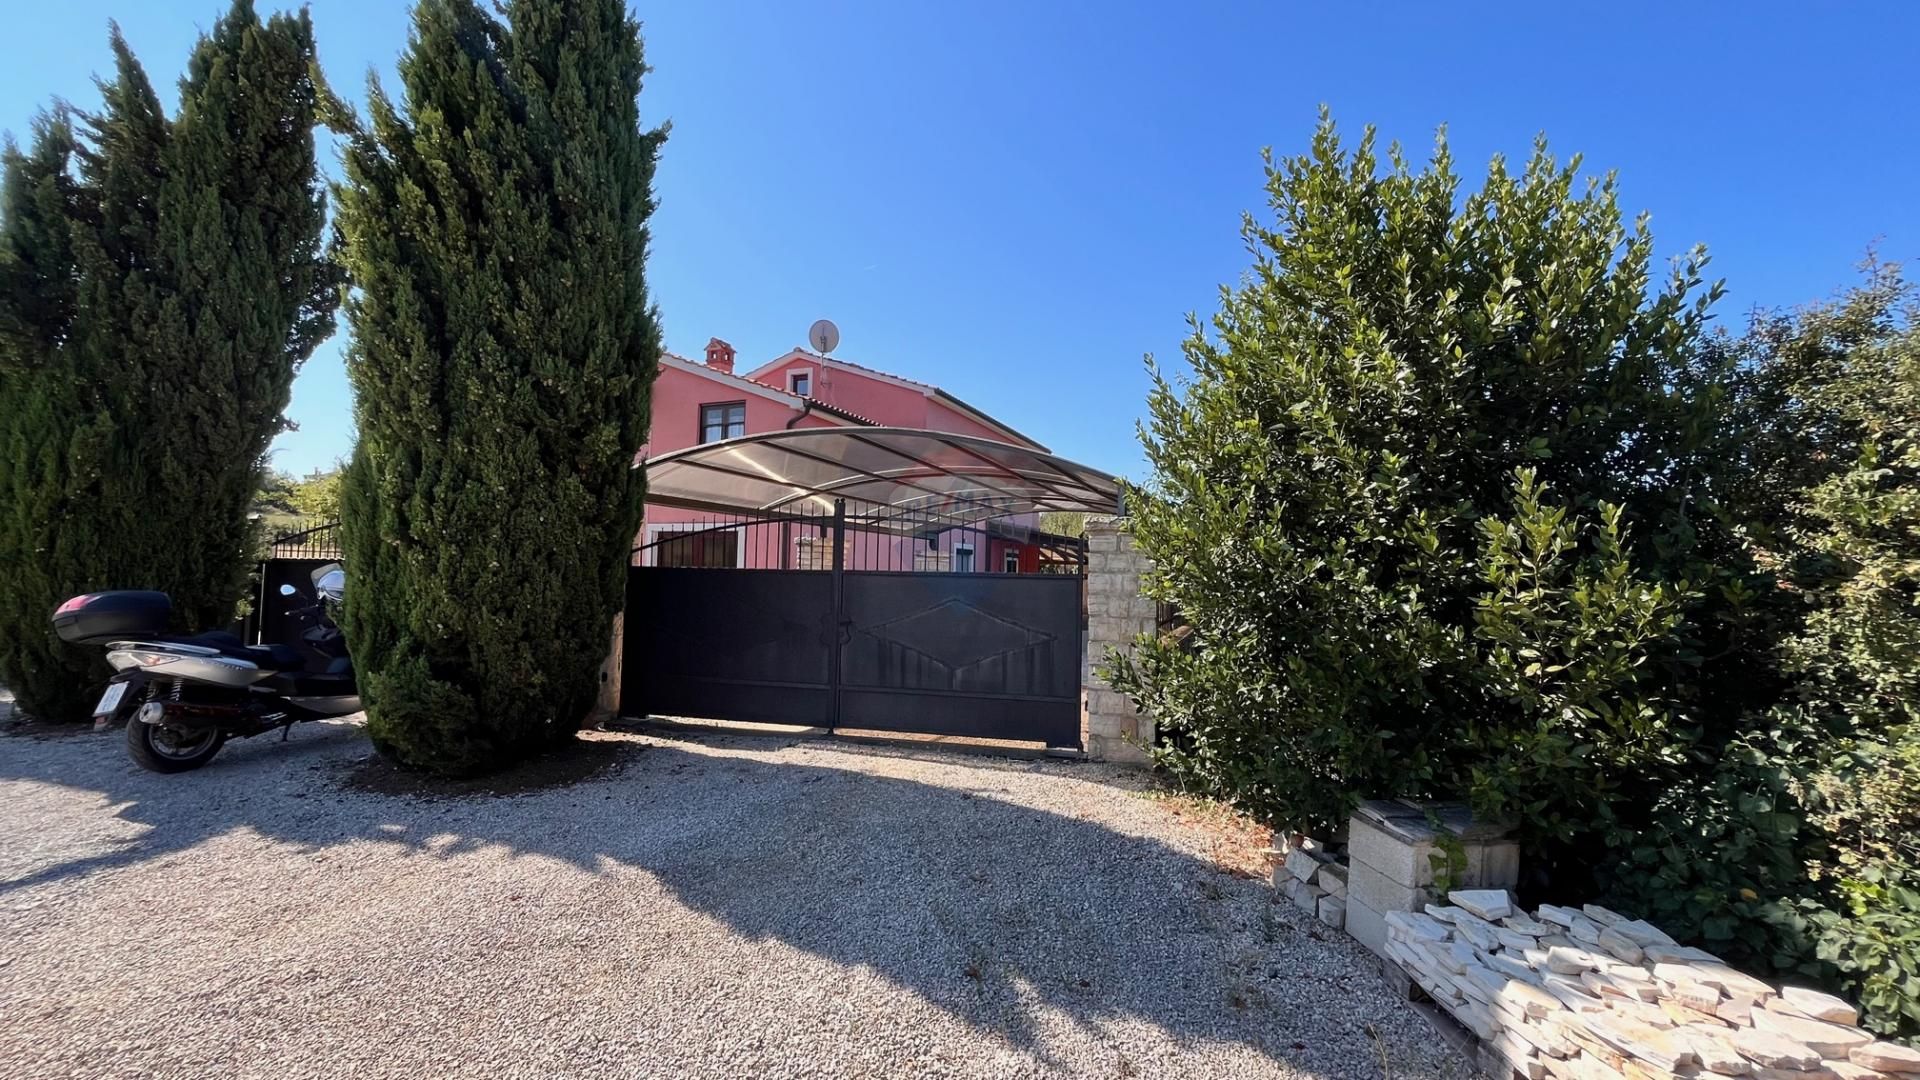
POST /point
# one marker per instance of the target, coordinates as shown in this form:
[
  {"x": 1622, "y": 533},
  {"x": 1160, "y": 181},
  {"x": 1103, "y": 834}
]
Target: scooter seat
[{"x": 274, "y": 657}]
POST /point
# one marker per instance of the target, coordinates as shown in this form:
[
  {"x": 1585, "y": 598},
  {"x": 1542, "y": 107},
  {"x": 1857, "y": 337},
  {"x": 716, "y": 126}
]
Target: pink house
[{"x": 696, "y": 403}]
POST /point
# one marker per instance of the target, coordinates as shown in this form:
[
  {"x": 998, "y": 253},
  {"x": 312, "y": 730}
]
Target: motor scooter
[{"x": 182, "y": 696}]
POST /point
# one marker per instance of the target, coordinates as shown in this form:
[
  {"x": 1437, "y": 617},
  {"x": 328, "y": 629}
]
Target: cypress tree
[
  {"x": 45, "y": 441},
  {"x": 161, "y": 280},
  {"x": 251, "y": 290},
  {"x": 495, "y": 225}
]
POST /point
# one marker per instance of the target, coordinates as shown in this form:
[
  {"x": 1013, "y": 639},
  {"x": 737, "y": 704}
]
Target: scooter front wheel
[{"x": 163, "y": 749}]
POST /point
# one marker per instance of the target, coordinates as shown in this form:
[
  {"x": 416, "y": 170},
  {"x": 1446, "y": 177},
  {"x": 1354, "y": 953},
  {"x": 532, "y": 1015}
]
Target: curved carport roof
[{"x": 901, "y": 478}]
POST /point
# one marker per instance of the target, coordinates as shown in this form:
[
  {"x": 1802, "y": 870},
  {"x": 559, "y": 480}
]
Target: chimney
[{"x": 719, "y": 355}]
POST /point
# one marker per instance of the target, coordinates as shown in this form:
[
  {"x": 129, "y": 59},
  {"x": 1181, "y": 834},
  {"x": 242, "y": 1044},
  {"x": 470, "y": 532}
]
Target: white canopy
[{"x": 902, "y": 477}]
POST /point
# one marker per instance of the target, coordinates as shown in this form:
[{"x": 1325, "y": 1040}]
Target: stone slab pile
[
  {"x": 1588, "y": 994},
  {"x": 1312, "y": 876}
]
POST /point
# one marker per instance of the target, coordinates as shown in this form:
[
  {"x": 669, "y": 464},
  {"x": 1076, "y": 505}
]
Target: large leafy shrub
[
  {"x": 161, "y": 280},
  {"x": 1720, "y": 857},
  {"x": 1378, "y": 606},
  {"x": 495, "y": 225},
  {"x": 1458, "y": 503},
  {"x": 1873, "y": 939},
  {"x": 1844, "y": 380}
]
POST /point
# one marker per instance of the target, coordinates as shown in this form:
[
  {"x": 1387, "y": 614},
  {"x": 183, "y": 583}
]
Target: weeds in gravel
[
  {"x": 1272, "y": 929},
  {"x": 1234, "y": 842},
  {"x": 1379, "y": 1044}
]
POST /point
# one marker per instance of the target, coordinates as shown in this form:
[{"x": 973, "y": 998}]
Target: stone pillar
[
  {"x": 1392, "y": 849},
  {"x": 1116, "y": 615}
]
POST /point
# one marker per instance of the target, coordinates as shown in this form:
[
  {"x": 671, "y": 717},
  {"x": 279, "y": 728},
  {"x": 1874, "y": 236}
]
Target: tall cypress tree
[
  {"x": 495, "y": 222},
  {"x": 46, "y": 444},
  {"x": 161, "y": 280},
  {"x": 250, "y": 289}
]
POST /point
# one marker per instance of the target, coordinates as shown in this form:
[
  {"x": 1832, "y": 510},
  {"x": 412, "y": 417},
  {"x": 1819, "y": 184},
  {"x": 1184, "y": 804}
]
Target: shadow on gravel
[{"x": 987, "y": 909}]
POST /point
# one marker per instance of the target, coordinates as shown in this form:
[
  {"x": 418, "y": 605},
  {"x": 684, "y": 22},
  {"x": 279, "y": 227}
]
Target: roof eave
[{"x": 987, "y": 420}]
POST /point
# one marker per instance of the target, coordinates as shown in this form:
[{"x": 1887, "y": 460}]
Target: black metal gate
[
  {"x": 866, "y": 636},
  {"x": 290, "y": 559}
]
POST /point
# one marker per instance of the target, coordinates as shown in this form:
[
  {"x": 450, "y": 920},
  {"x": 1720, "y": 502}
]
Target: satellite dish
[{"x": 823, "y": 335}]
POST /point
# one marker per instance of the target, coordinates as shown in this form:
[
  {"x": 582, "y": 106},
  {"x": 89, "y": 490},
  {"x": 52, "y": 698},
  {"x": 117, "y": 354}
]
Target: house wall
[
  {"x": 678, "y": 395},
  {"x": 941, "y": 417},
  {"x": 877, "y": 399}
]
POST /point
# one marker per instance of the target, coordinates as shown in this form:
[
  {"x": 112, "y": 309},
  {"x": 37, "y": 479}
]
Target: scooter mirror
[{"x": 288, "y": 590}]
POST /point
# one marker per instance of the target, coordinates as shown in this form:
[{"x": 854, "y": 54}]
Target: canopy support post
[{"x": 839, "y": 628}]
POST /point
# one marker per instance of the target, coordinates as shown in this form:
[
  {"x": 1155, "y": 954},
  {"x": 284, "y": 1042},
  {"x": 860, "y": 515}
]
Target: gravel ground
[{"x": 721, "y": 906}]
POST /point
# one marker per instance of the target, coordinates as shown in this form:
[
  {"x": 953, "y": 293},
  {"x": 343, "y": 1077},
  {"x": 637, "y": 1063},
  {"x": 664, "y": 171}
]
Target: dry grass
[{"x": 1235, "y": 842}]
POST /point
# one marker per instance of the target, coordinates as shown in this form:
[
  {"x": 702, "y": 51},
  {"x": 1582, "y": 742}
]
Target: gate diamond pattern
[{"x": 957, "y": 635}]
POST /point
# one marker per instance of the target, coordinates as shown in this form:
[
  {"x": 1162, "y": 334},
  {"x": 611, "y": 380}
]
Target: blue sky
[{"x": 1018, "y": 201}]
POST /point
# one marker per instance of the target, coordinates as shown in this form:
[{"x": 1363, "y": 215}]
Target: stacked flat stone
[
  {"x": 1588, "y": 994},
  {"x": 1310, "y": 876}
]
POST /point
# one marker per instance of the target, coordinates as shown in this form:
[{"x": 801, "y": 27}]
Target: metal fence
[
  {"x": 875, "y": 538},
  {"x": 871, "y": 537},
  {"x": 318, "y": 542}
]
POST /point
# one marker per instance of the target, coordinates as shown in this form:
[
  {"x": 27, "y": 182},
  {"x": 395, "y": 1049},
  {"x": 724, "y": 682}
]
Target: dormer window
[{"x": 800, "y": 382}]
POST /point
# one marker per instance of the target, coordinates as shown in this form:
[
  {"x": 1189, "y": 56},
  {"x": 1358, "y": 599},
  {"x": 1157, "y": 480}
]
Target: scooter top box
[{"x": 98, "y": 618}]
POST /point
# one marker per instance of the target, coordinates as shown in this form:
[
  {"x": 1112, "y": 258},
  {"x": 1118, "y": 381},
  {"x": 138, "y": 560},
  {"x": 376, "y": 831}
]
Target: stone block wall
[
  {"x": 1392, "y": 848},
  {"x": 1116, "y": 615}
]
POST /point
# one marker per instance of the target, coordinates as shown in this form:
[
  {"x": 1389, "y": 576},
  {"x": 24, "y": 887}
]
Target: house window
[
  {"x": 693, "y": 546},
  {"x": 963, "y": 558},
  {"x": 1011, "y": 561},
  {"x": 724, "y": 421},
  {"x": 801, "y": 382}
]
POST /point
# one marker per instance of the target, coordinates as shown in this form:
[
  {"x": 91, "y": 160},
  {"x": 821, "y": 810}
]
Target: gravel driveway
[{"x": 722, "y": 906}]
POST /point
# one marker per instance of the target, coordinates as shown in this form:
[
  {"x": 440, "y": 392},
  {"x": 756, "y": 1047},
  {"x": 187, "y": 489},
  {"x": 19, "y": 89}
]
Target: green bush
[
  {"x": 1377, "y": 608},
  {"x": 1458, "y": 503},
  {"x": 1874, "y": 940},
  {"x": 495, "y": 227},
  {"x": 1870, "y": 932},
  {"x": 1720, "y": 859},
  {"x": 1834, "y": 393},
  {"x": 318, "y": 498},
  {"x": 1560, "y": 636}
]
